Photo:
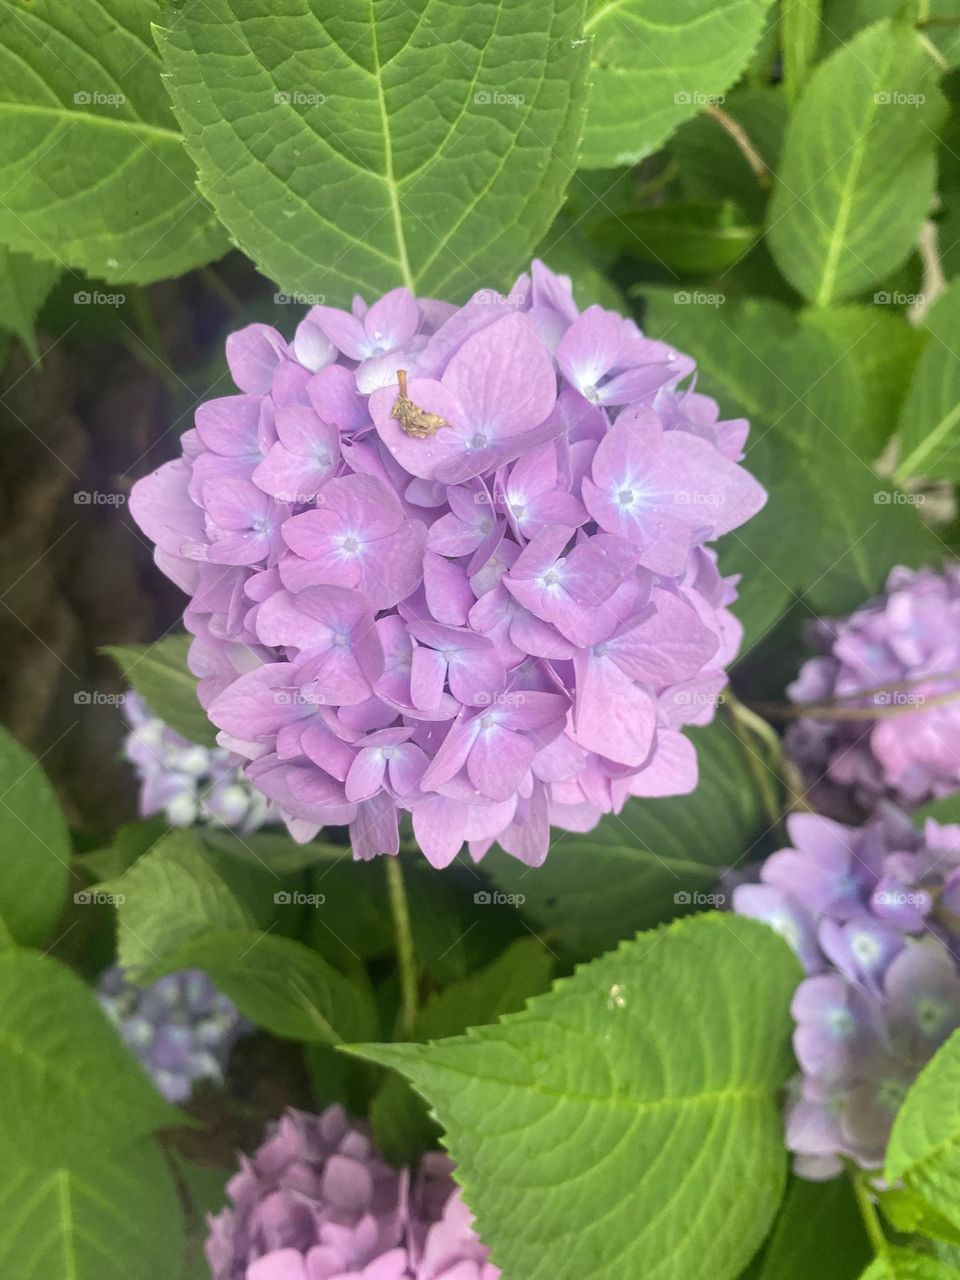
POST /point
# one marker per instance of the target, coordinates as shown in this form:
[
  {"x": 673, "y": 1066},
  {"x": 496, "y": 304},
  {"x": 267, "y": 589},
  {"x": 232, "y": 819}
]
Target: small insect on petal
[{"x": 415, "y": 421}]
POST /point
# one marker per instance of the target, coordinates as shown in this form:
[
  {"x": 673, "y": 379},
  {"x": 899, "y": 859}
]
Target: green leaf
[
  {"x": 901, "y": 1264},
  {"x": 92, "y": 166},
  {"x": 369, "y": 146},
  {"x": 945, "y": 809},
  {"x": 169, "y": 896},
  {"x": 689, "y": 238},
  {"x": 712, "y": 166},
  {"x": 273, "y": 849},
  {"x": 655, "y": 860},
  {"x": 611, "y": 1129},
  {"x": 34, "y": 846},
  {"x": 911, "y": 1215},
  {"x": 813, "y": 1212},
  {"x": 930, "y": 417},
  {"x": 117, "y": 1218},
  {"x": 402, "y": 1128},
  {"x": 280, "y": 985},
  {"x": 68, "y": 1083},
  {"x": 883, "y": 350},
  {"x": 843, "y": 18},
  {"x": 800, "y": 33},
  {"x": 858, "y": 171},
  {"x": 160, "y": 674},
  {"x": 24, "y": 285},
  {"x": 924, "y": 1146},
  {"x": 651, "y": 70},
  {"x": 831, "y": 529}
]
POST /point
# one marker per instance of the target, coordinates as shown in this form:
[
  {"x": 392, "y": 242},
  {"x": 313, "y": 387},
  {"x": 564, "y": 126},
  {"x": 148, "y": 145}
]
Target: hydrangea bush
[
  {"x": 317, "y": 1201},
  {"x": 186, "y": 782},
  {"x": 872, "y": 913},
  {"x": 456, "y": 423},
  {"x": 180, "y": 1027},
  {"x": 897, "y": 657},
  {"x": 455, "y": 562}
]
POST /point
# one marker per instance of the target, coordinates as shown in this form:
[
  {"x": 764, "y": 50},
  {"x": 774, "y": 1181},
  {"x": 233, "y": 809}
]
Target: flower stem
[
  {"x": 868, "y": 1211},
  {"x": 406, "y": 963},
  {"x": 745, "y": 722}
]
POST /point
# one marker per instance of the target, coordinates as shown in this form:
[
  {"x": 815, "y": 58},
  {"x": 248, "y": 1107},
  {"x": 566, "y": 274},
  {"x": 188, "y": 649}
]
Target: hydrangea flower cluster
[
  {"x": 900, "y": 656},
  {"x": 873, "y": 913},
  {"x": 185, "y": 782},
  {"x": 181, "y": 1028},
  {"x": 454, "y": 562},
  {"x": 317, "y": 1202}
]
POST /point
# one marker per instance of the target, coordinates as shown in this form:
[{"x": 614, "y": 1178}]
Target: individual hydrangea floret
[
  {"x": 181, "y": 1028},
  {"x": 318, "y": 1202},
  {"x": 873, "y": 912},
  {"x": 455, "y": 562},
  {"x": 897, "y": 657},
  {"x": 188, "y": 783}
]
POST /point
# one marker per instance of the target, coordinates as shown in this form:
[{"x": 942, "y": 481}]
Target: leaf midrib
[
  {"x": 740, "y": 1094},
  {"x": 76, "y": 117},
  {"x": 837, "y": 240},
  {"x": 389, "y": 176}
]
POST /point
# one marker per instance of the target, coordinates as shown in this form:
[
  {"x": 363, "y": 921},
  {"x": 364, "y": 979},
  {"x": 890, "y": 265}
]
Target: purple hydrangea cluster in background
[
  {"x": 874, "y": 915},
  {"x": 317, "y": 1202},
  {"x": 181, "y": 1028},
  {"x": 900, "y": 657},
  {"x": 455, "y": 562},
  {"x": 185, "y": 782}
]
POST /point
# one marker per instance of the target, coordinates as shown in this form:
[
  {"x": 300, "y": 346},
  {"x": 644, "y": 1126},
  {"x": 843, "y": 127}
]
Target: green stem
[
  {"x": 743, "y": 720},
  {"x": 406, "y": 962},
  {"x": 868, "y": 1211}
]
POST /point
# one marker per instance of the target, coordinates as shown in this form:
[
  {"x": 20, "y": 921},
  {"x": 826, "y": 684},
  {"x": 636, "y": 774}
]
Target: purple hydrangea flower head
[
  {"x": 899, "y": 656},
  {"x": 318, "y": 1202},
  {"x": 181, "y": 1028},
  {"x": 870, "y": 913},
  {"x": 456, "y": 563},
  {"x": 185, "y": 782}
]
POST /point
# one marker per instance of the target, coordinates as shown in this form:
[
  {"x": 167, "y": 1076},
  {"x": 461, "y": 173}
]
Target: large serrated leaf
[
  {"x": 160, "y": 674},
  {"x": 376, "y": 144},
  {"x": 924, "y": 1146},
  {"x": 92, "y": 167},
  {"x": 280, "y": 985},
  {"x": 57, "y": 1050},
  {"x": 929, "y": 428},
  {"x": 613, "y": 1128},
  {"x": 96, "y": 1218},
  {"x": 168, "y": 897},
  {"x": 901, "y": 1264},
  {"x": 24, "y": 284},
  {"x": 34, "y": 846},
  {"x": 656, "y": 65},
  {"x": 858, "y": 170}
]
